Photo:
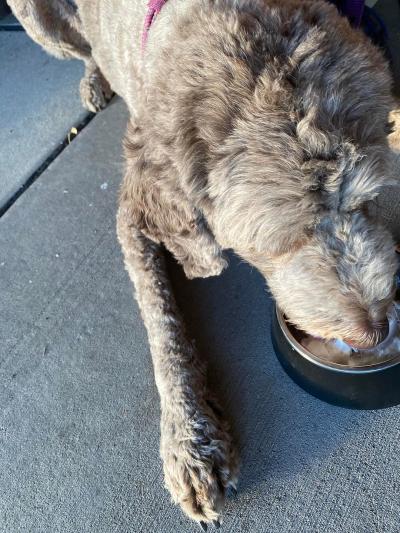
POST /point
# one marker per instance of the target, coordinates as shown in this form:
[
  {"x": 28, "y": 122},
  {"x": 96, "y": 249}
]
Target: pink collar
[{"x": 153, "y": 9}]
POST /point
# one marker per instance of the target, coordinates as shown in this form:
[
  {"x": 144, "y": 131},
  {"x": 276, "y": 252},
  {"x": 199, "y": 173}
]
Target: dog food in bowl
[
  {"x": 336, "y": 373},
  {"x": 336, "y": 351}
]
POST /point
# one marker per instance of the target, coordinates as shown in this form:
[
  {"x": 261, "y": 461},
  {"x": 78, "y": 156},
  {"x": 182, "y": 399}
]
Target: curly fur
[{"x": 260, "y": 126}]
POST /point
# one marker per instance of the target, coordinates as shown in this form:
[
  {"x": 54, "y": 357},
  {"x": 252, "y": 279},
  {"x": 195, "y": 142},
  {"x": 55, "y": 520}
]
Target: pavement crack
[{"x": 54, "y": 154}]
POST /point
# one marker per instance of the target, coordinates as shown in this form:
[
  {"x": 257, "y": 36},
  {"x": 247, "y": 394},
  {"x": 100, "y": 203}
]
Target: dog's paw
[
  {"x": 200, "y": 463},
  {"x": 204, "y": 269},
  {"x": 95, "y": 91}
]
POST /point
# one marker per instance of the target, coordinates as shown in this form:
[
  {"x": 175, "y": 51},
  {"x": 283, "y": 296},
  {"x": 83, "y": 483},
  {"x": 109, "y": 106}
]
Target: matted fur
[{"x": 259, "y": 126}]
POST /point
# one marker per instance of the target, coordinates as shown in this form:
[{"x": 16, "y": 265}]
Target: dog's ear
[
  {"x": 274, "y": 228},
  {"x": 261, "y": 209}
]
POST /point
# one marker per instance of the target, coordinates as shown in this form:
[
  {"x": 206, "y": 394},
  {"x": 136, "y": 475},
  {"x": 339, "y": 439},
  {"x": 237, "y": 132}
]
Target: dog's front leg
[{"x": 196, "y": 448}]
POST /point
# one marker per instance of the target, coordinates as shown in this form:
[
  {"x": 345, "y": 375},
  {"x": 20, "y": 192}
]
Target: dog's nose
[
  {"x": 375, "y": 333},
  {"x": 381, "y": 330}
]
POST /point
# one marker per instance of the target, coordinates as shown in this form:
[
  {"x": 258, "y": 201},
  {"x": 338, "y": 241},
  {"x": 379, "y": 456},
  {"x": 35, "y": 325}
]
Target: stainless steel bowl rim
[{"x": 326, "y": 364}]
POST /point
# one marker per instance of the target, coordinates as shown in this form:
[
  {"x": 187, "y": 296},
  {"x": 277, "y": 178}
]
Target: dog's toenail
[
  {"x": 203, "y": 526},
  {"x": 217, "y": 524}
]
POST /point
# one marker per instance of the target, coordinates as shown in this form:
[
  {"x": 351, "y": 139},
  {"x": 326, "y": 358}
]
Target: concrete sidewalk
[{"x": 39, "y": 103}]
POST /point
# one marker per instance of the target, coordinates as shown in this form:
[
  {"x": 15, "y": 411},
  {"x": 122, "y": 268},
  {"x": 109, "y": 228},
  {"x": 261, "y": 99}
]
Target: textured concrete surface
[
  {"x": 79, "y": 418},
  {"x": 39, "y": 103}
]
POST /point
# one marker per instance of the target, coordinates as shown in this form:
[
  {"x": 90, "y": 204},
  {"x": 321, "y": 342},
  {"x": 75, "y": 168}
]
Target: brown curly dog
[{"x": 256, "y": 125}]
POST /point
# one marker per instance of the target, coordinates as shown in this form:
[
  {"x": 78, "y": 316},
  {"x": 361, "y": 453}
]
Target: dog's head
[
  {"x": 306, "y": 154},
  {"x": 340, "y": 284},
  {"x": 308, "y": 228},
  {"x": 303, "y": 218},
  {"x": 328, "y": 261}
]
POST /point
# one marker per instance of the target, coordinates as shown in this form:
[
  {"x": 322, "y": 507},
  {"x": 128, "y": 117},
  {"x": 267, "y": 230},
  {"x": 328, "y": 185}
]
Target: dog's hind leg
[
  {"x": 94, "y": 89},
  {"x": 56, "y": 26}
]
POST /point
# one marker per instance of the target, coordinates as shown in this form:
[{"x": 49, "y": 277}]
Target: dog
[{"x": 255, "y": 125}]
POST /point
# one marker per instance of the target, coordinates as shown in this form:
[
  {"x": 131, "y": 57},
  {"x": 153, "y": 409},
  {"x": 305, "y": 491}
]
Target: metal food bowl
[{"x": 372, "y": 386}]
